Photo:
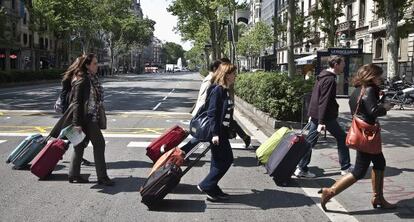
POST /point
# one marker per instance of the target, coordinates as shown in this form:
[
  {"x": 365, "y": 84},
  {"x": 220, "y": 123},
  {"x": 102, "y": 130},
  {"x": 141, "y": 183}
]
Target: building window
[
  {"x": 41, "y": 43},
  {"x": 349, "y": 12},
  {"x": 30, "y": 40},
  {"x": 378, "y": 49},
  {"x": 24, "y": 39},
  {"x": 13, "y": 4},
  {"x": 25, "y": 18},
  {"x": 302, "y": 7},
  {"x": 14, "y": 30},
  {"x": 398, "y": 47},
  {"x": 362, "y": 9},
  {"x": 361, "y": 44},
  {"x": 310, "y": 3},
  {"x": 307, "y": 47},
  {"x": 46, "y": 43}
]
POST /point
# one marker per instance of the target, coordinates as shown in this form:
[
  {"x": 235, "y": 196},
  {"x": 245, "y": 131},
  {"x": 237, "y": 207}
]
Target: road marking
[
  {"x": 165, "y": 98},
  {"x": 1, "y": 114},
  {"x": 123, "y": 112},
  {"x": 138, "y": 144},
  {"x": 90, "y": 143},
  {"x": 333, "y": 204},
  {"x": 41, "y": 129},
  {"x": 156, "y": 107},
  {"x": 3, "y": 141}
]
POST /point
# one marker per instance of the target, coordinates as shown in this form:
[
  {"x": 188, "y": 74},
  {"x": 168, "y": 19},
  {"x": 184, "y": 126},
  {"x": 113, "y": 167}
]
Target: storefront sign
[
  {"x": 13, "y": 56},
  {"x": 344, "y": 52}
]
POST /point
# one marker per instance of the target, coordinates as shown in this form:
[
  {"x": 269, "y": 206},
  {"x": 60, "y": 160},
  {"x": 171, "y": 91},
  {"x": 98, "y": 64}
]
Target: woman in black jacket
[
  {"x": 366, "y": 81},
  {"x": 220, "y": 113},
  {"x": 83, "y": 113}
]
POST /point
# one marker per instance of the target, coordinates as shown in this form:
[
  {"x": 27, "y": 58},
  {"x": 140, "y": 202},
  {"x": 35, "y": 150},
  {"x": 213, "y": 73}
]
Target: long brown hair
[
  {"x": 367, "y": 75},
  {"x": 220, "y": 77},
  {"x": 82, "y": 69},
  {"x": 68, "y": 74}
]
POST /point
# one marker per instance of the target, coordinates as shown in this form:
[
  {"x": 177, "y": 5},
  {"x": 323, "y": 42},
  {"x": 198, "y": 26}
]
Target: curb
[
  {"x": 17, "y": 84},
  {"x": 260, "y": 116}
]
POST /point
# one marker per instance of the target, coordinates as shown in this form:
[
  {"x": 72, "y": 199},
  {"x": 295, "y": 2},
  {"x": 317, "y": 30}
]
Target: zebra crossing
[{"x": 140, "y": 141}]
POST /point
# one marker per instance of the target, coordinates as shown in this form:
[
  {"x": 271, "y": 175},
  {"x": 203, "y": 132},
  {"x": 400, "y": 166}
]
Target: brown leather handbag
[{"x": 362, "y": 136}]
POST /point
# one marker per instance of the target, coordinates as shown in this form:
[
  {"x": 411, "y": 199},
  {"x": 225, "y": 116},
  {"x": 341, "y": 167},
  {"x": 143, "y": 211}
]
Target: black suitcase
[
  {"x": 165, "y": 179},
  {"x": 284, "y": 159}
]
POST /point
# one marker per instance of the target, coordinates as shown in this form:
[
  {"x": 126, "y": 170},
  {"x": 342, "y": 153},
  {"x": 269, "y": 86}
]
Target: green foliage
[
  {"x": 400, "y": 7},
  {"x": 27, "y": 76},
  {"x": 258, "y": 38},
  {"x": 274, "y": 93},
  {"x": 171, "y": 52},
  {"x": 325, "y": 15}
]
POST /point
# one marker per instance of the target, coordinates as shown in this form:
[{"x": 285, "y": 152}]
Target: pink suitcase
[
  {"x": 46, "y": 161},
  {"x": 170, "y": 139}
]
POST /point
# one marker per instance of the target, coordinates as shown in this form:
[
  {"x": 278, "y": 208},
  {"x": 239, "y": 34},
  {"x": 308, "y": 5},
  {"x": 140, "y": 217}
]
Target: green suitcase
[{"x": 265, "y": 150}]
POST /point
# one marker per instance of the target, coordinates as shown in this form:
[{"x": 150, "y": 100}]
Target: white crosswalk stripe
[
  {"x": 141, "y": 144},
  {"x": 3, "y": 141}
]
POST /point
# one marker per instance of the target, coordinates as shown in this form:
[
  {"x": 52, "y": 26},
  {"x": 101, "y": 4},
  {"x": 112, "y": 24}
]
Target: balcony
[
  {"x": 361, "y": 22},
  {"x": 346, "y": 26},
  {"x": 313, "y": 8},
  {"x": 314, "y": 37}
]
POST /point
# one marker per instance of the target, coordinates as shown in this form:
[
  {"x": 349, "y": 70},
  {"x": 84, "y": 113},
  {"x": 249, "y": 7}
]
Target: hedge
[
  {"x": 274, "y": 93},
  {"x": 28, "y": 75}
]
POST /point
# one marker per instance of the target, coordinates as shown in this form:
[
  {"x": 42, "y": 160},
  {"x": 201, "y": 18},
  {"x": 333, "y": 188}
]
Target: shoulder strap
[{"x": 359, "y": 99}]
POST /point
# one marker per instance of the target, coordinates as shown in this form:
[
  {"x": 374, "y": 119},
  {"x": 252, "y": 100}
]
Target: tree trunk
[
  {"x": 332, "y": 30},
  {"x": 290, "y": 30},
  {"x": 213, "y": 37},
  {"x": 391, "y": 36}
]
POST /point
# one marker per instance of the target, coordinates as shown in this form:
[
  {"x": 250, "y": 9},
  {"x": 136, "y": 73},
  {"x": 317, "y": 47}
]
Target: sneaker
[
  {"x": 350, "y": 169},
  {"x": 222, "y": 195},
  {"x": 299, "y": 173},
  {"x": 211, "y": 196}
]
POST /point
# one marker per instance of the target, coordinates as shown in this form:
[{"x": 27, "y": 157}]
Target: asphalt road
[{"x": 140, "y": 107}]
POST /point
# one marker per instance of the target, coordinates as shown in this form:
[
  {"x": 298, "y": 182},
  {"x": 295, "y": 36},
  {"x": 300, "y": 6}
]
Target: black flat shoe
[
  {"x": 85, "y": 162},
  {"x": 106, "y": 182},
  {"x": 247, "y": 141},
  {"x": 77, "y": 179}
]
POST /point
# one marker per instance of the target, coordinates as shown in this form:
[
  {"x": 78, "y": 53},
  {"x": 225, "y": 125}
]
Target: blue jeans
[
  {"x": 221, "y": 160},
  {"x": 335, "y": 129}
]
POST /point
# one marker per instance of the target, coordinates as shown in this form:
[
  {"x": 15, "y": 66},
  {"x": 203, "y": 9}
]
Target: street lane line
[
  {"x": 123, "y": 112},
  {"x": 156, "y": 107},
  {"x": 165, "y": 98},
  {"x": 3, "y": 141},
  {"x": 90, "y": 143},
  {"x": 139, "y": 144}
]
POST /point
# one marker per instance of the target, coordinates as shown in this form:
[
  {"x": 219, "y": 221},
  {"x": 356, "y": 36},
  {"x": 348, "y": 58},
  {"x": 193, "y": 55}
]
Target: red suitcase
[
  {"x": 46, "y": 161},
  {"x": 170, "y": 139}
]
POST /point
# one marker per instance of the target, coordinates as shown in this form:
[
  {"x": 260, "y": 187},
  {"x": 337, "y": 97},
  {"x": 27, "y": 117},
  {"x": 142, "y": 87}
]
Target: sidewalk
[{"x": 354, "y": 203}]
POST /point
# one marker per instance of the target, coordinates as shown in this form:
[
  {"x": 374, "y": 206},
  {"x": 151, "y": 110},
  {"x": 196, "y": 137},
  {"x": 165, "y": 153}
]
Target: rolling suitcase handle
[{"x": 194, "y": 162}]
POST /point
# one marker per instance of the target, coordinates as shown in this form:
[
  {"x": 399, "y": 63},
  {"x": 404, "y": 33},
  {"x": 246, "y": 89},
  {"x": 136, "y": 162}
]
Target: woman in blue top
[{"x": 220, "y": 112}]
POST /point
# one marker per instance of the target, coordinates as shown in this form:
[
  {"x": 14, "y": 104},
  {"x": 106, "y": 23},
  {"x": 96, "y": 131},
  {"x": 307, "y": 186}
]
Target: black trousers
[
  {"x": 363, "y": 160},
  {"x": 93, "y": 134}
]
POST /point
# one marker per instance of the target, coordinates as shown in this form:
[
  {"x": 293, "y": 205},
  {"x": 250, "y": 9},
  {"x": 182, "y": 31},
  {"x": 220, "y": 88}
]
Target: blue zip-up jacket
[{"x": 217, "y": 106}]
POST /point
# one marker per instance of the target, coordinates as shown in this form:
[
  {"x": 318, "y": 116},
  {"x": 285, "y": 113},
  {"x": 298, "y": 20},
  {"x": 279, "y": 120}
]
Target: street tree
[
  {"x": 325, "y": 15},
  {"x": 194, "y": 16},
  {"x": 393, "y": 12},
  {"x": 171, "y": 52},
  {"x": 290, "y": 37},
  {"x": 254, "y": 41}
]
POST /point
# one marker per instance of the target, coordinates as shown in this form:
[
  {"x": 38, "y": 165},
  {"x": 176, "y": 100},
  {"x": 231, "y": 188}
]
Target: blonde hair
[{"x": 220, "y": 76}]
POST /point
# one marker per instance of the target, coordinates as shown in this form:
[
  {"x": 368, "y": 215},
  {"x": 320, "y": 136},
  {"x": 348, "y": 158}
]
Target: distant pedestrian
[
  {"x": 367, "y": 82},
  {"x": 323, "y": 112},
  {"x": 220, "y": 112}
]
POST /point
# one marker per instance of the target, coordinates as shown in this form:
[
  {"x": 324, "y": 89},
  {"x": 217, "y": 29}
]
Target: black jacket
[
  {"x": 370, "y": 107},
  {"x": 323, "y": 105},
  {"x": 77, "y": 113}
]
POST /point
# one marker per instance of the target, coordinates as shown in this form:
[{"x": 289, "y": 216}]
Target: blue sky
[{"x": 157, "y": 11}]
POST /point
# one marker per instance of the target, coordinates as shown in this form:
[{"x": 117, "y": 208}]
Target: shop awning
[{"x": 305, "y": 60}]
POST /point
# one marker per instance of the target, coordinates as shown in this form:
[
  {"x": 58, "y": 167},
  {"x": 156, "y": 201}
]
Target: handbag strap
[{"x": 359, "y": 100}]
